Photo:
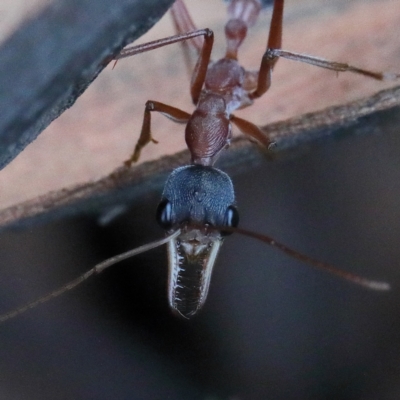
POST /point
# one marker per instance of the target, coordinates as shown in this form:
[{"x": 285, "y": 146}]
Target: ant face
[{"x": 195, "y": 199}]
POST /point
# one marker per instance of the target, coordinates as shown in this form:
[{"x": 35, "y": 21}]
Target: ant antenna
[
  {"x": 349, "y": 276},
  {"x": 97, "y": 269}
]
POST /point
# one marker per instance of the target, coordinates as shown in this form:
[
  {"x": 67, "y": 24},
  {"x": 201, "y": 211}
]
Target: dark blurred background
[{"x": 271, "y": 328}]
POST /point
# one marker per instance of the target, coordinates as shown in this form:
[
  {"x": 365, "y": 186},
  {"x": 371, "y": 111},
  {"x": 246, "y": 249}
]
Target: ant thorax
[{"x": 229, "y": 79}]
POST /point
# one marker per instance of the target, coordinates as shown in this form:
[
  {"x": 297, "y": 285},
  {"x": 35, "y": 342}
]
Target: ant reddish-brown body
[{"x": 198, "y": 204}]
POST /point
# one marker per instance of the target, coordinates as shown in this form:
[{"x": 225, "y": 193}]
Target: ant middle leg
[
  {"x": 175, "y": 114},
  {"x": 252, "y": 130}
]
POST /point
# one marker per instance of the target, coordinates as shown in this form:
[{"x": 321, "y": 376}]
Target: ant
[{"x": 197, "y": 209}]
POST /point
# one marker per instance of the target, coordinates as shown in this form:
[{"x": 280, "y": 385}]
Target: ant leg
[
  {"x": 275, "y": 30},
  {"x": 251, "y": 130},
  {"x": 175, "y": 114},
  {"x": 200, "y": 70},
  {"x": 332, "y": 65},
  {"x": 184, "y": 23},
  {"x": 269, "y": 60},
  {"x": 155, "y": 44}
]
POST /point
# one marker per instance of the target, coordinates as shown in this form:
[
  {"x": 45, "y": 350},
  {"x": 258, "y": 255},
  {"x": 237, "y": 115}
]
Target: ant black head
[
  {"x": 197, "y": 195},
  {"x": 195, "y": 198}
]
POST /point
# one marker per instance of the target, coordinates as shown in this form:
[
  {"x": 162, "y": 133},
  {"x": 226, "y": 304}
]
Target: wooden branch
[{"x": 314, "y": 126}]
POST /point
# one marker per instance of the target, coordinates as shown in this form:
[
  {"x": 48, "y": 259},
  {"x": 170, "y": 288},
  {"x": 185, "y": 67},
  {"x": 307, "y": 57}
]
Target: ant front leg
[
  {"x": 175, "y": 114},
  {"x": 184, "y": 23},
  {"x": 155, "y": 44},
  {"x": 200, "y": 71}
]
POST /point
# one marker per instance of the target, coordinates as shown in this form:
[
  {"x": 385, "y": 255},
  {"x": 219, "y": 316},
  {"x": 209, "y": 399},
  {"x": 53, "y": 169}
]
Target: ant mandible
[{"x": 197, "y": 209}]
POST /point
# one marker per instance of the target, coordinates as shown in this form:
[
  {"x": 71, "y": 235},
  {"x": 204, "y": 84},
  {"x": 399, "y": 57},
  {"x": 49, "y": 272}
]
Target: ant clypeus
[{"x": 197, "y": 208}]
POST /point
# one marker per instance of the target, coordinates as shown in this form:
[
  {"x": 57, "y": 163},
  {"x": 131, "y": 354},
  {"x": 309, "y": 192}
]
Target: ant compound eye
[
  {"x": 163, "y": 214},
  {"x": 231, "y": 218}
]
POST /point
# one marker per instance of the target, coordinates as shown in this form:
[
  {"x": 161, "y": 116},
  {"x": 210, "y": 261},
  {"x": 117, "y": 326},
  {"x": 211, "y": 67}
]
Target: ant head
[
  {"x": 197, "y": 195},
  {"x": 196, "y": 198}
]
